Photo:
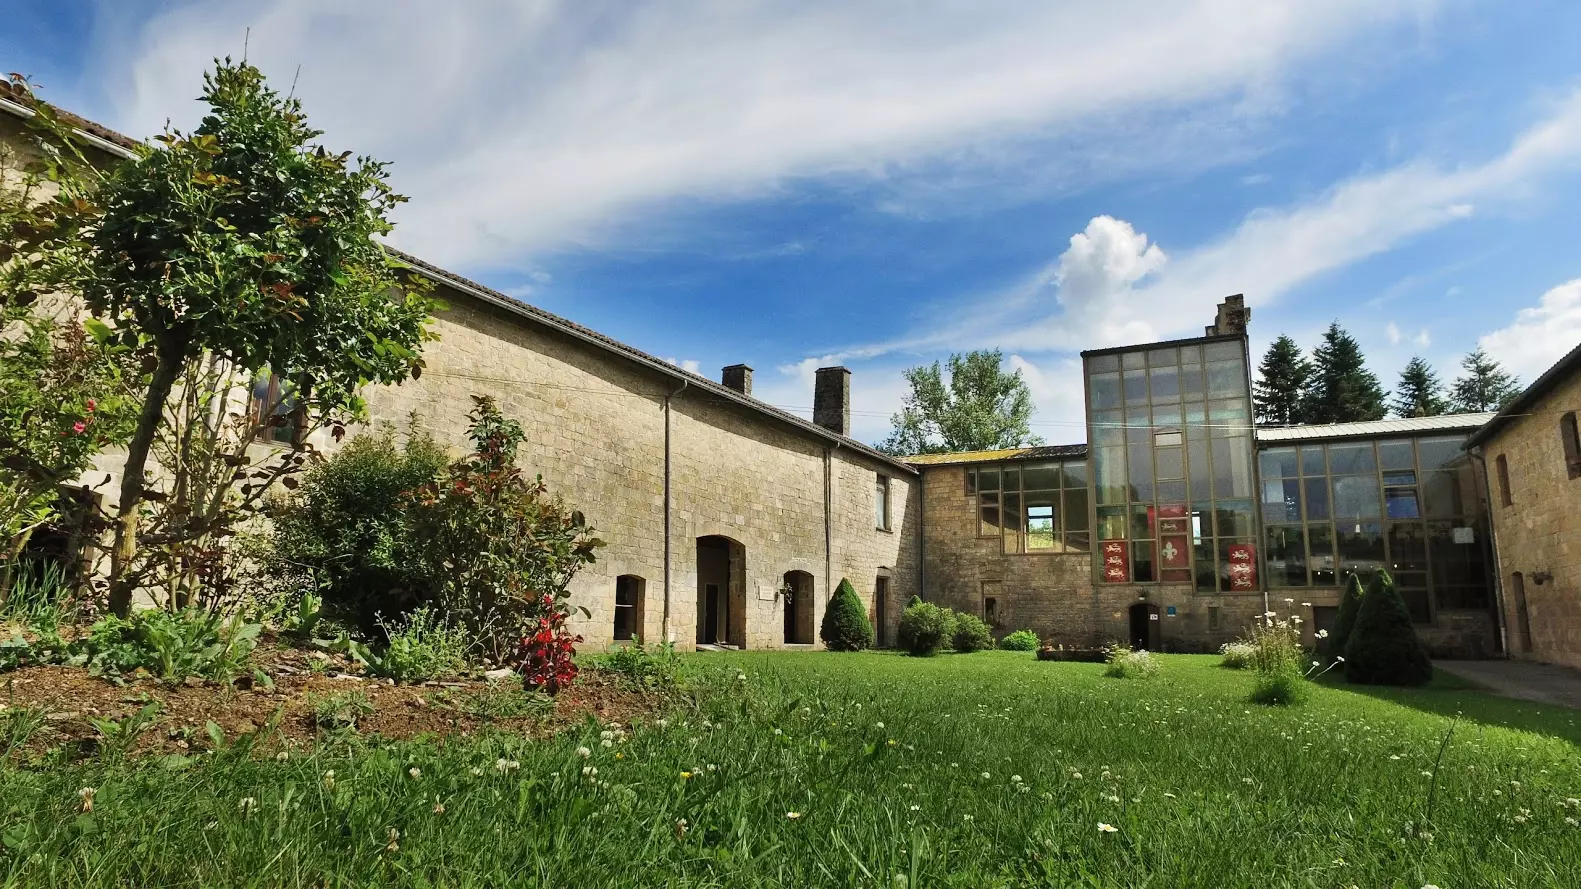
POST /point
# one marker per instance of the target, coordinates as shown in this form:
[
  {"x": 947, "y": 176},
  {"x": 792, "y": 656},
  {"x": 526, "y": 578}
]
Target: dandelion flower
[
  {"x": 1107, "y": 828},
  {"x": 686, "y": 776},
  {"x": 793, "y": 815},
  {"x": 86, "y": 796}
]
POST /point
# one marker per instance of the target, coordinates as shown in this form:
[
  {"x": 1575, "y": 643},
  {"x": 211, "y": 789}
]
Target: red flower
[
  {"x": 92, "y": 405},
  {"x": 78, "y": 427}
]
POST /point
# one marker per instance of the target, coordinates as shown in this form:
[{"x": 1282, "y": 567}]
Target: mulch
[{"x": 70, "y": 697}]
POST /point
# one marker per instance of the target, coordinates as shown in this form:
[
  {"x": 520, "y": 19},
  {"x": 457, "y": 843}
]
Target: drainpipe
[
  {"x": 668, "y": 631},
  {"x": 1493, "y": 543},
  {"x": 828, "y": 520}
]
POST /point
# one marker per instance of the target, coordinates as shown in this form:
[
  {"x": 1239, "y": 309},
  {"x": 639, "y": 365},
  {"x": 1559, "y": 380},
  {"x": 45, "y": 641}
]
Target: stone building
[{"x": 1532, "y": 451}]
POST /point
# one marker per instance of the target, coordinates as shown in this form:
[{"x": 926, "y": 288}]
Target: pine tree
[
  {"x": 1281, "y": 379},
  {"x": 1383, "y": 648},
  {"x": 1345, "y": 621},
  {"x": 1419, "y": 392},
  {"x": 845, "y": 626},
  {"x": 1341, "y": 389},
  {"x": 1485, "y": 385}
]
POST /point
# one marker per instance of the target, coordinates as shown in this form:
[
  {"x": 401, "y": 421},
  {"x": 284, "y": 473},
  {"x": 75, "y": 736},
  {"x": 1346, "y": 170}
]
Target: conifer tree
[
  {"x": 1485, "y": 385},
  {"x": 1419, "y": 392},
  {"x": 1281, "y": 380},
  {"x": 1342, "y": 389}
]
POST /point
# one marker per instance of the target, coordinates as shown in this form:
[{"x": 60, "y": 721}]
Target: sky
[{"x": 880, "y": 183}]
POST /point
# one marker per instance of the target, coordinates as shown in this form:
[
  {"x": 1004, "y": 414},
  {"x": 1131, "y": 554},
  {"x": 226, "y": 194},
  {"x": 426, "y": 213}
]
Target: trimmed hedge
[
  {"x": 845, "y": 625},
  {"x": 925, "y": 628},
  {"x": 972, "y": 634},
  {"x": 1383, "y": 648},
  {"x": 1345, "y": 621},
  {"x": 1020, "y": 640}
]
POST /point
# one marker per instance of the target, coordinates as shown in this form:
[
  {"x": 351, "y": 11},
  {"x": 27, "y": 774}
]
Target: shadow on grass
[{"x": 1450, "y": 696}]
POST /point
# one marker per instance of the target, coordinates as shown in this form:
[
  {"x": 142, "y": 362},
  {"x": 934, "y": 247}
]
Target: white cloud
[
  {"x": 1540, "y": 334},
  {"x": 522, "y": 127},
  {"x": 1422, "y": 339},
  {"x": 1393, "y": 332},
  {"x": 687, "y": 364},
  {"x": 1102, "y": 265}
]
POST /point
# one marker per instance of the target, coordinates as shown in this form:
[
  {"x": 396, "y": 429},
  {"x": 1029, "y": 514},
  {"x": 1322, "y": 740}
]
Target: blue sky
[{"x": 880, "y": 183}]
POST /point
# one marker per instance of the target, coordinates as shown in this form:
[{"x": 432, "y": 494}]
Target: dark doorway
[
  {"x": 881, "y": 611},
  {"x": 721, "y": 592},
  {"x": 1145, "y": 630},
  {"x": 799, "y": 600},
  {"x": 629, "y": 589}
]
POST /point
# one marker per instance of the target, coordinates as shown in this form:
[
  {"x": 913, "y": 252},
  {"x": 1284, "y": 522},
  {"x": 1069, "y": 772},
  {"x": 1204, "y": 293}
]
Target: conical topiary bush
[
  {"x": 1345, "y": 621},
  {"x": 1383, "y": 648},
  {"x": 845, "y": 626}
]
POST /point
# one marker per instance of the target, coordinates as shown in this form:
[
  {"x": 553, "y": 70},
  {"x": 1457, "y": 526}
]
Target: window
[
  {"x": 1034, "y": 507},
  {"x": 991, "y": 611},
  {"x": 272, "y": 407},
  {"x": 1571, "y": 438},
  {"x": 881, "y": 503},
  {"x": 1502, "y": 466},
  {"x": 628, "y": 606}
]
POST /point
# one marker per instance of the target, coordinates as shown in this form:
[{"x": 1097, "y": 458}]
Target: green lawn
[{"x": 989, "y": 769}]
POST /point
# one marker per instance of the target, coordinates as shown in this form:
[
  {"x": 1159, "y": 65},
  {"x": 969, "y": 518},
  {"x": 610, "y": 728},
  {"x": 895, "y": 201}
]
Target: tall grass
[{"x": 856, "y": 770}]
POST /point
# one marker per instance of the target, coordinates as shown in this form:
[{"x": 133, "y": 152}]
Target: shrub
[
  {"x": 845, "y": 625},
  {"x": 422, "y": 646},
  {"x": 1345, "y": 620},
  {"x": 1383, "y": 648},
  {"x": 1285, "y": 687},
  {"x": 971, "y": 634},
  {"x": 345, "y": 525},
  {"x": 1237, "y": 655},
  {"x": 1275, "y": 652},
  {"x": 654, "y": 667},
  {"x": 1124, "y": 663},
  {"x": 925, "y": 627},
  {"x": 1020, "y": 640},
  {"x": 340, "y": 711},
  {"x": 171, "y": 645}
]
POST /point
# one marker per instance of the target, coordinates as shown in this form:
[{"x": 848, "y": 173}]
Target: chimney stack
[
  {"x": 737, "y": 377},
  {"x": 1232, "y": 317},
  {"x": 831, "y": 400}
]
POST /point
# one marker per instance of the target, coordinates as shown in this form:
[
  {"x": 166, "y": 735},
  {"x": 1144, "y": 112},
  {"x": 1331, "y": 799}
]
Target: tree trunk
[{"x": 166, "y": 370}]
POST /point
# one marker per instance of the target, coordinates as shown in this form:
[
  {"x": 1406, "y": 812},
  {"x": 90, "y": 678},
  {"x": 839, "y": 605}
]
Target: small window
[
  {"x": 881, "y": 503},
  {"x": 273, "y": 408},
  {"x": 628, "y": 606},
  {"x": 991, "y": 611},
  {"x": 1572, "y": 443},
  {"x": 1502, "y": 466},
  {"x": 971, "y": 480},
  {"x": 1213, "y": 617}
]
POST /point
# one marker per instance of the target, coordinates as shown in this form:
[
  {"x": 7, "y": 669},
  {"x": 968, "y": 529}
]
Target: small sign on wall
[
  {"x": 1170, "y": 610},
  {"x": 1463, "y": 535}
]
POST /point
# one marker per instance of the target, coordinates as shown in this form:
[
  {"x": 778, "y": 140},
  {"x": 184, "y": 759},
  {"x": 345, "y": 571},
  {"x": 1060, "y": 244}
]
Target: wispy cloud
[{"x": 1540, "y": 334}]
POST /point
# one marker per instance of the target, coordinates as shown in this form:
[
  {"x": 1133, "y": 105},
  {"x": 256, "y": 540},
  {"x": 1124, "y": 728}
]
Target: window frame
[
  {"x": 1501, "y": 467},
  {"x": 265, "y": 430},
  {"x": 882, "y": 517},
  {"x": 1570, "y": 441}
]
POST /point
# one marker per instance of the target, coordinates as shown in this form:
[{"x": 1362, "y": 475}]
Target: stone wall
[{"x": 1540, "y": 531}]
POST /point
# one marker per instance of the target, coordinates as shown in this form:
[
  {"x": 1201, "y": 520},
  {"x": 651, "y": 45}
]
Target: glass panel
[
  {"x": 1277, "y": 463},
  {"x": 1075, "y": 516},
  {"x": 1224, "y": 563},
  {"x": 1198, "y": 468},
  {"x": 1196, "y": 417},
  {"x": 1158, "y": 357},
  {"x": 1170, "y": 491},
  {"x": 1109, "y": 465},
  {"x": 1135, "y": 387},
  {"x": 1407, "y": 549},
  {"x": 1316, "y": 491},
  {"x": 1226, "y": 378},
  {"x": 1232, "y": 461},
  {"x": 1010, "y": 478},
  {"x": 1167, "y": 439},
  {"x": 1104, "y": 389},
  {"x": 1207, "y": 577},
  {"x": 1233, "y": 518},
  {"x": 1320, "y": 543},
  {"x": 1013, "y": 520},
  {"x": 988, "y": 479},
  {"x": 1398, "y": 477},
  {"x": 1395, "y": 455},
  {"x": 1416, "y": 603},
  {"x": 1285, "y": 550},
  {"x": 1436, "y": 453},
  {"x": 1111, "y": 523},
  {"x": 1360, "y": 547},
  {"x": 1201, "y": 523},
  {"x": 1142, "y": 522},
  {"x": 1136, "y": 421},
  {"x": 1171, "y": 462},
  {"x": 1040, "y": 477},
  {"x": 1312, "y": 460},
  {"x": 1190, "y": 354},
  {"x": 1228, "y": 413},
  {"x": 1455, "y": 564},
  {"x": 988, "y": 515},
  {"x": 1078, "y": 541},
  {"x": 1356, "y": 497},
  {"x": 1221, "y": 351},
  {"x": 1165, "y": 383},
  {"x": 1142, "y": 561},
  {"x": 1281, "y": 500},
  {"x": 1042, "y": 529},
  {"x": 1099, "y": 363},
  {"x": 971, "y": 480},
  {"x": 1191, "y": 386},
  {"x": 1133, "y": 360},
  {"x": 1139, "y": 470},
  {"x": 1441, "y": 495},
  {"x": 1108, "y": 428},
  {"x": 1351, "y": 459},
  {"x": 1166, "y": 415},
  {"x": 1400, "y": 503},
  {"x": 1075, "y": 474}
]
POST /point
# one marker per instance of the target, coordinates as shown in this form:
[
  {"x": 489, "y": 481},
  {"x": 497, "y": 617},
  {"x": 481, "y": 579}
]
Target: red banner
[
  {"x": 1243, "y": 567},
  {"x": 1173, "y": 552},
  {"x": 1116, "y": 561}
]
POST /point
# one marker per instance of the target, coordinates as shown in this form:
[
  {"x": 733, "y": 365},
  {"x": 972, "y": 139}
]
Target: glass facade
[
  {"x": 1170, "y": 435},
  {"x": 1411, "y": 505},
  {"x": 1032, "y": 507}
]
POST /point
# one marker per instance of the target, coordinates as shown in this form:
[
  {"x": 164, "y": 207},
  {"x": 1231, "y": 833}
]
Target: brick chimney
[
  {"x": 737, "y": 377},
  {"x": 831, "y": 400},
  {"x": 1232, "y": 317}
]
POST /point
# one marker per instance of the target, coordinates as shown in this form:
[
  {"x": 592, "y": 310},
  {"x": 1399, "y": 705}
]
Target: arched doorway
[
  {"x": 798, "y": 592},
  {"x": 1145, "y": 627},
  {"x": 721, "y": 591}
]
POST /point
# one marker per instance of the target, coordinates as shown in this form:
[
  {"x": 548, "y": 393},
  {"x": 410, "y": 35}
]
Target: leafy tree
[
  {"x": 1341, "y": 389},
  {"x": 245, "y": 243},
  {"x": 1419, "y": 392},
  {"x": 1281, "y": 379},
  {"x": 1485, "y": 385},
  {"x": 1383, "y": 648},
  {"x": 845, "y": 625},
  {"x": 1345, "y": 620},
  {"x": 981, "y": 407}
]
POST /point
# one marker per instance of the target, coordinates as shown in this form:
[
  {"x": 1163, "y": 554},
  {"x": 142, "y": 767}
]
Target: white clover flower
[
  {"x": 392, "y": 845},
  {"x": 793, "y": 815},
  {"x": 741, "y": 677},
  {"x": 590, "y": 771},
  {"x": 415, "y": 772},
  {"x": 583, "y": 752},
  {"x": 1571, "y": 820},
  {"x": 661, "y": 723},
  {"x": 916, "y": 808},
  {"x": 1107, "y": 828},
  {"x": 878, "y": 725},
  {"x": 85, "y": 795},
  {"x": 282, "y": 756},
  {"x": 329, "y": 780},
  {"x": 986, "y": 776},
  {"x": 1322, "y": 634},
  {"x": 968, "y": 818},
  {"x": 606, "y": 743},
  {"x": 1015, "y": 779},
  {"x": 778, "y": 732},
  {"x": 247, "y": 804}
]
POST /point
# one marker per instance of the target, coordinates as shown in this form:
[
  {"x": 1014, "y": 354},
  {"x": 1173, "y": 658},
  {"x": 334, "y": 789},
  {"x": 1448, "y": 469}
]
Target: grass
[{"x": 892, "y": 767}]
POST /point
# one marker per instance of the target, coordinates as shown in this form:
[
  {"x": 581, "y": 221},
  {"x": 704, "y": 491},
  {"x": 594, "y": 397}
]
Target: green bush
[
  {"x": 654, "y": 667},
  {"x": 171, "y": 645},
  {"x": 1383, "y": 648},
  {"x": 340, "y": 711},
  {"x": 1345, "y": 620},
  {"x": 1020, "y": 640},
  {"x": 1122, "y": 662},
  {"x": 1237, "y": 655},
  {"x": 346, "y": 526},
  {"x": 971, "y": 634},
  {"x": 845, "y": 625},
  {"x": 1281, "y": 688},
  {"x": 422, "y": 646},
  {"x": 925, "y": 628}
]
